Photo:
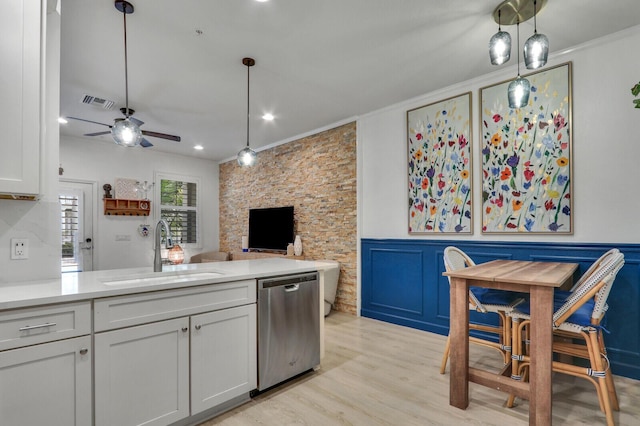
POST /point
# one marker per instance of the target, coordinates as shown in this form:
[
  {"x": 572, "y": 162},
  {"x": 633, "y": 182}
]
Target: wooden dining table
[{"x": 537, "y": 278}]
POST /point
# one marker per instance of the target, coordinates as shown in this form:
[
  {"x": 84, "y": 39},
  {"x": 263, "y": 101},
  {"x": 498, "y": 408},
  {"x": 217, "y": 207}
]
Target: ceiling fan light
[
  {"x": 247, "y": 157},
  {"x": 126, "y": 133},
  {"x": 500, "y": 48},
  {"x": 536, "y": 51},
  {"x": 518, "y": 92}
]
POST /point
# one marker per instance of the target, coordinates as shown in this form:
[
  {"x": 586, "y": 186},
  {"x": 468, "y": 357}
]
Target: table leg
[
  {"x": 541, "y": 368},
  {"x": 459, "y": 338}
]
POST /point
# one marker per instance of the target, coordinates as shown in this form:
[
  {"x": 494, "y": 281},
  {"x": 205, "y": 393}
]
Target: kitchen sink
[{"x": 179, "y": 277}]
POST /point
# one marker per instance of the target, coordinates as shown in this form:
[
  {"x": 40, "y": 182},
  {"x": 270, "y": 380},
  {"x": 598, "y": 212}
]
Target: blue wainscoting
[{"x": 402, "y": 283}]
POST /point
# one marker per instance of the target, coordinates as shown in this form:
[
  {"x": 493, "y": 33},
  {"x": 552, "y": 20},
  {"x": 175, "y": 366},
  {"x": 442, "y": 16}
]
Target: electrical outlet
[{"x": 19, "y": 248}]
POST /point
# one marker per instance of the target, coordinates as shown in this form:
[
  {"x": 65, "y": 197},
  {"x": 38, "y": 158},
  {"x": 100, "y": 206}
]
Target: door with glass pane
[{"x": 76, "y": 225}]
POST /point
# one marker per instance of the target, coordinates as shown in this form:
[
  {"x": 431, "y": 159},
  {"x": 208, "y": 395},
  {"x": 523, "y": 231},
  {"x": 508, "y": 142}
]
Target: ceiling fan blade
[
  {"x": 161, "y": 135},
  {"x": 98, "y": 133},
  {"x": 145, "y": 143},
  {"x": 89, "y": 121},
  {"x": 135, "y": 120}
]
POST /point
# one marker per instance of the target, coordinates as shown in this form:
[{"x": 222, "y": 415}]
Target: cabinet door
[
  {"x": 223, "y": 356},
  {"x": 142, "y": 374},
  {"x": 47, "y": 384},
  {"x": 20, "y": 31}
]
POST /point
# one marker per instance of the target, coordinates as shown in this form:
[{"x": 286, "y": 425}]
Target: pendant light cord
[
  {"x": 248, "y": 70},
  {"x": 126, "y": 73},
  {"x": 535, "y": 12},
  {"x": 518, "y": 46}
]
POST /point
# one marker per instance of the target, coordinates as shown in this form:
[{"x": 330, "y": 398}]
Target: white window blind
[
  {"x": 179, "y": 207},
  {"x": 69, "y": 226}
]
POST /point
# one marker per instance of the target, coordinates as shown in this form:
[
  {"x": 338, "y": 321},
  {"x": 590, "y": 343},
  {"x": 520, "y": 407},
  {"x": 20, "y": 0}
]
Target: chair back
[
  {"x": 603, "y": 294},
  {"x": 595, "y": 284},
  {"x": 593, "y": 267},
  {"x": 455, "y": 259}
]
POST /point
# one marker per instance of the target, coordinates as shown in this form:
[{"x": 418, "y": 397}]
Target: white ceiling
[{"x": 318, "y": 62}]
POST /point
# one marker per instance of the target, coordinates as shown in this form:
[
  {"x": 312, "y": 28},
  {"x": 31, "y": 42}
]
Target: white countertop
[{"x": 76, "y": 286}]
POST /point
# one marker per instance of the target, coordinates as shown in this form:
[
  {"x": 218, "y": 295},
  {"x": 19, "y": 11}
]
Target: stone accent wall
[{"x": 317, "y": 175}]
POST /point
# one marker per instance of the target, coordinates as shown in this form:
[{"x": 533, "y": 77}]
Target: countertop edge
[{"x": 79, "y": 286}]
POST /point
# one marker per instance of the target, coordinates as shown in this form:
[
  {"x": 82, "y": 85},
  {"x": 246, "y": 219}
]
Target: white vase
[{"x": 297, "y": 246}]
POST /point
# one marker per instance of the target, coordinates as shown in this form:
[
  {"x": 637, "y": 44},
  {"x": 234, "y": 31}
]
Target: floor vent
[{"x": 99, "y": 102}]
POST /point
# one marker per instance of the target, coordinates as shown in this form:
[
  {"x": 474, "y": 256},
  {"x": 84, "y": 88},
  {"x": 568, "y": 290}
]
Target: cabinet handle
[
  {"x": 33, "y": 327},
  {"x": 185, "y": 329},
  {"x": 198, "y": 326},
  {"x": 84, "y": 351}
]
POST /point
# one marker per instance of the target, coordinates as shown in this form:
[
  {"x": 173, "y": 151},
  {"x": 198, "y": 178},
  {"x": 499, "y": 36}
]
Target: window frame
[{"x": 158, "y": 178}]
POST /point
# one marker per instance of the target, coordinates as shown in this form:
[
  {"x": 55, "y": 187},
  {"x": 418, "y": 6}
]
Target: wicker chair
[
  {"x": 577, "y": 331},
  {"x": 485, "y": 301}
]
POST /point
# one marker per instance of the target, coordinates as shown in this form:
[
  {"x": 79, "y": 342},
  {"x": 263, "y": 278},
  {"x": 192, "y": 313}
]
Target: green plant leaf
[{"x": 635, "y": 90}]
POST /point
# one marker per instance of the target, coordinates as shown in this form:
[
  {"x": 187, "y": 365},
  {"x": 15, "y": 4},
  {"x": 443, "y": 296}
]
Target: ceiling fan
[{"x": 126, "y": 131}]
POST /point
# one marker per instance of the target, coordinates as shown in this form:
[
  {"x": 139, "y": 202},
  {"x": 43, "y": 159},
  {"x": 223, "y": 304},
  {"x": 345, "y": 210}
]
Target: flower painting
[
  {"x": 439, "y": 137},
  {"x": 526, "y": 157}
]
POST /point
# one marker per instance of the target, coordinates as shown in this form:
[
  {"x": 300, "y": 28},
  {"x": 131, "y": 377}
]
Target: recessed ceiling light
[
  {"x": 198, "y": 147},
  {"x": 262, "y": 1},
  {"x": 267, "y": 117},
  {"x": 62, "y": 120}
]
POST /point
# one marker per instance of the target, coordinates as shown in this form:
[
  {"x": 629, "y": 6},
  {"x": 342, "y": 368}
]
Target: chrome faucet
[{"x": 157, "y": 258}]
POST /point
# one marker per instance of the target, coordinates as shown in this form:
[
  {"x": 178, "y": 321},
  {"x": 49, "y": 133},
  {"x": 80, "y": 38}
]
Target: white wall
[
  {"x": 606, "y": 149},
  {"x": 94, "y": 160},
  {"x": 38, "y": 221}
]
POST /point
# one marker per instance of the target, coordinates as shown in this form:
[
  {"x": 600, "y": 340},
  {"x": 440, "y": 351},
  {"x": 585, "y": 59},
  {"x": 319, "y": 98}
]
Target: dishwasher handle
[
  {"x": 291, "y": 288},
  {"x": 286, "y": 280}
]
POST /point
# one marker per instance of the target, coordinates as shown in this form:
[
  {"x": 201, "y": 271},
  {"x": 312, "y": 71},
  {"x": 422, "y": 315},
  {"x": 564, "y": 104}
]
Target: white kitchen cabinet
[
  {"x": 142, "y": 374},
  {"x": 223, "y": 356},
  {"x": 30, "y": 326},
  {"x": 123, "y": 311},
  {"x": 163, "y": 356},
  {"x": 21, "y": 26},
  {"x": 45, "y": 365},
  {"x": 47, "y": 384}
]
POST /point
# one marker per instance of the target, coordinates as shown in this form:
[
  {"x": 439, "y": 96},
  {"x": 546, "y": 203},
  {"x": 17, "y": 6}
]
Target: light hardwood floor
[{"x": 375, "y": 373}]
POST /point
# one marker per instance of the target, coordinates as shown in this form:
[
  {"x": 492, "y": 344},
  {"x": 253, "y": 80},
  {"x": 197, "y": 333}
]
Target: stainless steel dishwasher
[{"x": 288, "y": 327}]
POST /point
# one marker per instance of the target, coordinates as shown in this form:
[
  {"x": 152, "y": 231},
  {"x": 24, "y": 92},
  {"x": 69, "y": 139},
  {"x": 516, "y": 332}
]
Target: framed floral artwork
[
  {"x": 440, "y": 190},
  {"x": 526, "y": 157}
]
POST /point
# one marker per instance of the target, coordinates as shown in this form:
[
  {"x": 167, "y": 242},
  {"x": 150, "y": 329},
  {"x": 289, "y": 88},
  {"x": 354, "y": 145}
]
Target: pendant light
[
  {"x": 247, "y": 157},
  {"x": 536, "y": 49},
  {"x": 126, "y": 132},
  {"x": 500, "y": 45},
  {"x": 519, "y": 89}
]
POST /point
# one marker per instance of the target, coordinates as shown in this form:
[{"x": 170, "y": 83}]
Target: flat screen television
[{"x": 270, "y": 229}]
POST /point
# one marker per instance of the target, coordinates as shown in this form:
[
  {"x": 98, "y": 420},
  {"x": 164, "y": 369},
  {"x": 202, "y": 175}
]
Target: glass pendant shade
[
  {"x": 247, "y": 157},
  {"x": 126, "y": 133},
  {"x": 536, "y": 50},
  {"x": 518, "y": 92},
  {"x": 500, "y": 48},
  {"x": 176, "y": 255}
]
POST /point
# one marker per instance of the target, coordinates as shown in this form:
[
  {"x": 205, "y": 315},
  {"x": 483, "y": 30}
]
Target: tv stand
[{"x": 244, "y": 255}]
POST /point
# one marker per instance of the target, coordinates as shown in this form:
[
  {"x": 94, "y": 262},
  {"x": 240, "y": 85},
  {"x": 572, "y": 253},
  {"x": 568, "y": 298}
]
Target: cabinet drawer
[
  {"x": 125, "y": 311},
  {"x": 29, "y": 326}
]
